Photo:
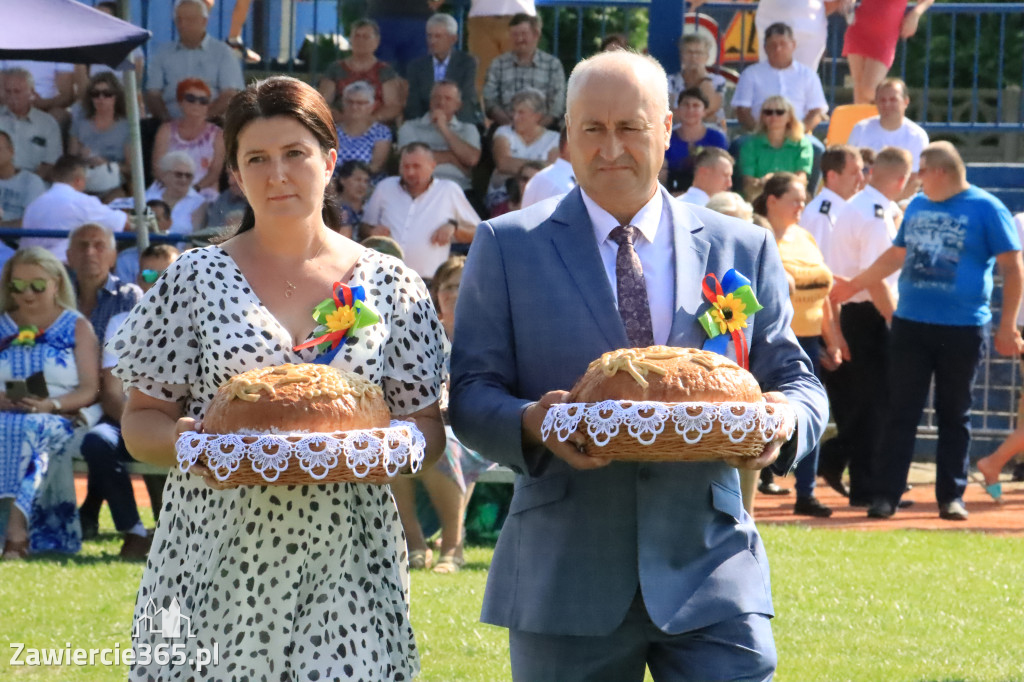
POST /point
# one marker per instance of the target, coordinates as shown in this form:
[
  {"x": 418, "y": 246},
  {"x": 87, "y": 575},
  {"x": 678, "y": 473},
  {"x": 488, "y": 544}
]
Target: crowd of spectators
[{"x": 430, "y": 140}]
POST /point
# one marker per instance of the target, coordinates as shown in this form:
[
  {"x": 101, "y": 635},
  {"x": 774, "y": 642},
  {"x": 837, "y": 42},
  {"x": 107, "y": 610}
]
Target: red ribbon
[
  {"x": 738, "y": 337},
  {"x": 334, "y": 337}
]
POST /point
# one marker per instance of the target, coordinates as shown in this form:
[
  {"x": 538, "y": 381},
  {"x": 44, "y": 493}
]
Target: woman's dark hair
[
  {"x": 346, "y": 169},
  {"x": 777, "y": 185},
  {"x": 107, "y": 77},
  {"x": 694, "y": 93},
  {"x": 281, "y": 96}
]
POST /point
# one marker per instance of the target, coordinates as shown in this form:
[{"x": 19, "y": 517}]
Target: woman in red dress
[{"x": 871, "y": 39}]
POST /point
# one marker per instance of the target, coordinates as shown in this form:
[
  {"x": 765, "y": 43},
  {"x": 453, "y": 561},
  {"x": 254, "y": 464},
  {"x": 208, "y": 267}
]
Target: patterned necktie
[{"x": 632, "y": 290}]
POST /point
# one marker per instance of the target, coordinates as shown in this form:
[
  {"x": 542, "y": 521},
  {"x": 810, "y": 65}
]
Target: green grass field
[{"x": 862, "y": 606}]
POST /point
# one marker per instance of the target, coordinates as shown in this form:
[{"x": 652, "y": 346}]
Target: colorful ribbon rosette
[
  {"x": 732, "y": 302},
  {"x": 26, "y": 336},
  {"x": 339, "y": 316}
]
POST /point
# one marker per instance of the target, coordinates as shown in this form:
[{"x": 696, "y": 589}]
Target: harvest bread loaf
[
  {"x": 289, "y": 398},
  {"x": 665, "y": 374}
]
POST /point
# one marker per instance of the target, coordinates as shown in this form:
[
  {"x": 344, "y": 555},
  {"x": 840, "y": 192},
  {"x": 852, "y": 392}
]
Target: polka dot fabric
[{"x": 291, "y": 583}]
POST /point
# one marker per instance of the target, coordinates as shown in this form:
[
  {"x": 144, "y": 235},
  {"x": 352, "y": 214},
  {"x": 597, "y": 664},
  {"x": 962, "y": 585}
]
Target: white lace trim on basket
[
  {"x": 644, "y": 421},
  {"x": 316, "y": 453}
]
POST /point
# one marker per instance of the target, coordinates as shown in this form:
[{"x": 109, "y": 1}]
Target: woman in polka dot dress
[{"x": 283, "y": 583}]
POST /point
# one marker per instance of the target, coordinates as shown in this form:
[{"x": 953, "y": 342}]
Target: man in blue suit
[{"x": 605, "y": 567}]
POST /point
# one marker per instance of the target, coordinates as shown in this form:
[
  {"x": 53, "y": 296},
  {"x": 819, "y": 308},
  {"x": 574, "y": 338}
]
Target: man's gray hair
[
  {"x": 445, "y": 21},
  {"x": 198, "y": 3},
  {"x": 18, "y": 72},
  {"x": 170, "y": 159},
  {"x": 533, "y": 98},
  {"x": 359, "y": 88},
  {"x": 94, "y": 226},
  {"x": 646, "y": 69}
]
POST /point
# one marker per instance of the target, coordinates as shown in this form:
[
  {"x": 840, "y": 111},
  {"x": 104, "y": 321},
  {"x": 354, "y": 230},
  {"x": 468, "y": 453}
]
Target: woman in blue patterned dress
[
  {"x": 360, "y": 137},
  {"x": 41, "y": 331}
]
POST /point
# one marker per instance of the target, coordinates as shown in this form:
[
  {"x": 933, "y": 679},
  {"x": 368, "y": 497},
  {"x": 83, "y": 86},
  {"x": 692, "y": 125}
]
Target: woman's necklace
[{"x": 290, "y": 288}]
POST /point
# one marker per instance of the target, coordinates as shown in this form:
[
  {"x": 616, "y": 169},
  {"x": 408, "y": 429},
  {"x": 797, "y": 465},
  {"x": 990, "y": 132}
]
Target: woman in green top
[{"x": 778, "y": 144}]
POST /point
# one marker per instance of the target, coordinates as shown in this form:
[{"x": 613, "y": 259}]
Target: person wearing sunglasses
[
  {"x": 175, "y": 174},
  {"x": 41, "y": 332},
  {"x": 193, "y": 134},
  {"x": 778, "y": 144},
  {"x": 101, "y": 136}
]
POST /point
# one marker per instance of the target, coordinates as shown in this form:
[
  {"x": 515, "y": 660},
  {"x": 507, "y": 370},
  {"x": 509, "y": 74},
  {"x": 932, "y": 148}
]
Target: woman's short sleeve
[
  {"x": 414, "y": 356},
  {"x": 378, "y": 132},
  {"x": 157, "y": 347},
  {"x": 748, "y": 157},
  {"x": 385, "y": 72},
  {"x": 806, "y": 156}
]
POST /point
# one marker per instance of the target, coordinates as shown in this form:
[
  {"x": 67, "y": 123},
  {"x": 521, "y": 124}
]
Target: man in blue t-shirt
[{"x": 952, "y": 235}]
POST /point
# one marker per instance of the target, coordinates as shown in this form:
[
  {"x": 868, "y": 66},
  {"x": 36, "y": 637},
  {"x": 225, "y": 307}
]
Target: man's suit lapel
[
  {"x": 574, "y": 241},
  {"x": 691, "y": 253}
]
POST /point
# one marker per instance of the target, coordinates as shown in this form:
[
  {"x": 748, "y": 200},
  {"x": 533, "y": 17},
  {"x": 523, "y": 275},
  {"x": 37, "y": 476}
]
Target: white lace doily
[
  {"x": 644, "y": 421},
  {"x": 362, "y": 451}
]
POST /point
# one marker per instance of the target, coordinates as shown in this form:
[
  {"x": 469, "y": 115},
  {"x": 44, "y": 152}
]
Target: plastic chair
[{"x": 843, "y": 119}]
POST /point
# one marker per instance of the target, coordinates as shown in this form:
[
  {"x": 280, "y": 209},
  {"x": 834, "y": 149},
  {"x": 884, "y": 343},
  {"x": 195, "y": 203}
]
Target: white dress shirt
[
  {"x": 696, "y": 196},
  {"x": 657, "y": 256},
  {"x": 553, "y": 181},
  {"x": 819, "y": 218},
  {"x": 62, "y": 207},
  {"x": 796, "y": 82},
  {"x": 413, "y": 221},
  {"x": 910, "y": 136},
  {"x": 864, "y": 230}
]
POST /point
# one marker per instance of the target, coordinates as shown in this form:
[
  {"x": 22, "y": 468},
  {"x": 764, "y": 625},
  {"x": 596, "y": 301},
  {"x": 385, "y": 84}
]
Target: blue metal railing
[
  {"x": 966, "y": 26},
  {"x": 964, "y": 85}
]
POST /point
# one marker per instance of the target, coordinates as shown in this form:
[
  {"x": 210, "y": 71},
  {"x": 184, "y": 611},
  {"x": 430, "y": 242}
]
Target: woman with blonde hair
[
  {"x": 49, "y": 363},
  {"x": 778, "y": 144}
]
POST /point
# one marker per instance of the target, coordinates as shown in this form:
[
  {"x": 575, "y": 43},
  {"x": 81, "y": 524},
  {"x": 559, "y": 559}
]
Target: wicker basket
[
  {"x": 670, "y": 432},
  {"x": 365, "y": 456}
]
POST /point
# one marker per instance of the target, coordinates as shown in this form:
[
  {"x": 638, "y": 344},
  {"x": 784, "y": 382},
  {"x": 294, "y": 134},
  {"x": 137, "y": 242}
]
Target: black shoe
[
  {"x": 835, "y": 481},
  {"x": 811, "y": 506},
  {"x": 881, "y": 509},
  {"x": 857, "y": 502},
  {"x": 905, "y": 504},
  {"x": 771, "y": 489},
  {"x": 90, "y": 528},
  {"x": 953, "y": 511}
]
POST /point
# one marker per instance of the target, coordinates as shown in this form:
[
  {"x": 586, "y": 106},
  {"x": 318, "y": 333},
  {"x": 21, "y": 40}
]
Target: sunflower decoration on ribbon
[
  {"x": 732, "y": 303},
  {"x": 339, "y": 316},
  {"x": 27, "y": 336}
]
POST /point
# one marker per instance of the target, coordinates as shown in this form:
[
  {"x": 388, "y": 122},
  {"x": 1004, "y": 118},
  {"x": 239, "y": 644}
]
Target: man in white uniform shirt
[
  {"x": 422, "y": 213},
  {"x": 843, "y": 171},
  {"x": 891, "y": 128},
  {"x": 66, "y": 207},
  {"x": 712, "y": 173},
  {"x": 552, "y": 181},
  {"x": 780, "y": 74},
  {"x": 864, "y": 230}
]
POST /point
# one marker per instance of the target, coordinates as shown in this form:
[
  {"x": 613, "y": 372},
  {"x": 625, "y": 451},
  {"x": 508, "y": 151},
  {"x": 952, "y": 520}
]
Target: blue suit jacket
[{"x": 535, "y": 307}]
